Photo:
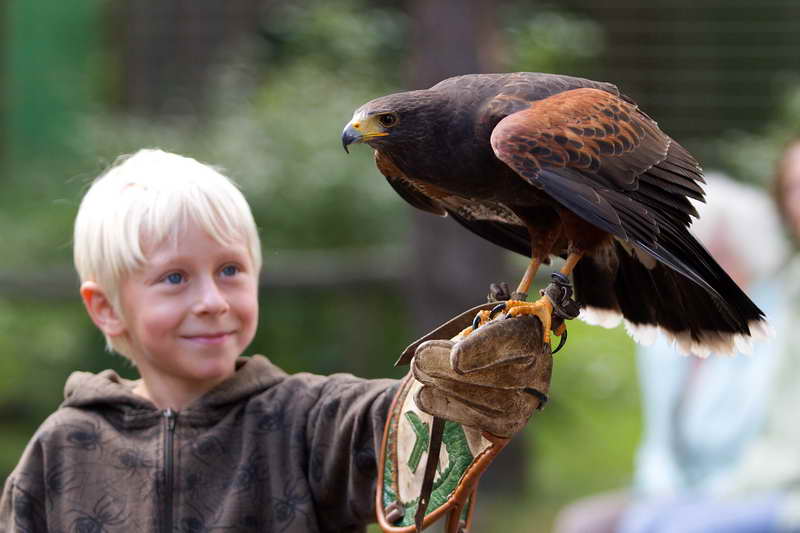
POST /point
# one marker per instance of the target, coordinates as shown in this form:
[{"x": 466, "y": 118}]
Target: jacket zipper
[{"x": 170, "y": 417}]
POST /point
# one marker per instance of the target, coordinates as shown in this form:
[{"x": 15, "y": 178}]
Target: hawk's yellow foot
[
  {"x": 483, "y": 317},
  {"x": 542, "y": 309},
  {"x": 480, "y": 319}
]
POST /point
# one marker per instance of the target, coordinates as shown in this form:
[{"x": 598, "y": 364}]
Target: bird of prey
[{"x": 549, "y": 165}]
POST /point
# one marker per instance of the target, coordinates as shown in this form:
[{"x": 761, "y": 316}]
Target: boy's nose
[{"x": 211, "y": 300}]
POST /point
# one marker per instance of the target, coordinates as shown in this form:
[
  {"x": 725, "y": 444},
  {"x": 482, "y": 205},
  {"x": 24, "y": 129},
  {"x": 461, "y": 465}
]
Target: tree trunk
[{"x": 452, "y": 268}]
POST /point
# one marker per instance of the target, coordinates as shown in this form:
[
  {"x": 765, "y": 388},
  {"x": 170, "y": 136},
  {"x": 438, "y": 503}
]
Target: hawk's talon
[
  {"x": 561, "y": 341},
  {"x": 481, "y": 318},
  {"x": 553, "y": 307},
  {"x": 476, "y": 322},
  {"x": 496, "y": 309}
]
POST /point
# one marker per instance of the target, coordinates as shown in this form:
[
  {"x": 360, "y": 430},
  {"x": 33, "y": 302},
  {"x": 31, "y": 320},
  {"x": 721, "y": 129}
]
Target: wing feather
[
  {"x": 509, "y": 236},
  {"x": 601, "y": 158}
]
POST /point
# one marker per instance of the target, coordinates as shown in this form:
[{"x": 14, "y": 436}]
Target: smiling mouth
[{"x": 210, "y": 338}]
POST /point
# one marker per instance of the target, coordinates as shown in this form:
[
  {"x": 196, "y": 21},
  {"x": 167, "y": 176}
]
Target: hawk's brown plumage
[{"x": 546, "y": 165}]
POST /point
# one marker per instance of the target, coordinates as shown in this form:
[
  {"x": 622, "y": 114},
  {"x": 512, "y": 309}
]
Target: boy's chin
[
  {"x": 203, "y": 368},
  {"x": 214, "y": 370}
]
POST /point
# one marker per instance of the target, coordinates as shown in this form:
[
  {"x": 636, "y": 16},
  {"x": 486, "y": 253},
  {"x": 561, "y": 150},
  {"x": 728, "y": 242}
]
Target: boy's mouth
[{"x": 210, "y": 338}]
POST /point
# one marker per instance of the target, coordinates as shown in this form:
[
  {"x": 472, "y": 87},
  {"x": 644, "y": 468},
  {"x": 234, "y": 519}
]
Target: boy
[{"x": 169, "y": 257}]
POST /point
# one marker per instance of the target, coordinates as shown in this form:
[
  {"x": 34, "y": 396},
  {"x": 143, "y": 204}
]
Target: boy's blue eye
[
  {"x": 230, "y": 270},
  {"x": 175, "y": 278}
]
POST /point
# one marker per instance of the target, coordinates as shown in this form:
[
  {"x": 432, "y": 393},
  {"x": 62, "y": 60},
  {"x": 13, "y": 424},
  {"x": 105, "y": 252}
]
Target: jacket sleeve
[
  {"x": 7, "y": 506},
  {"x": 345, "y": 429},
  {"x": 22, "y": 504}
]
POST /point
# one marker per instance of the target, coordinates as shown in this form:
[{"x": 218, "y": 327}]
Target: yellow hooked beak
[{"x": 361, "y": 129}]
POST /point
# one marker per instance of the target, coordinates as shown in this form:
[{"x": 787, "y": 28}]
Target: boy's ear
[{"x": 100, "y": 309}]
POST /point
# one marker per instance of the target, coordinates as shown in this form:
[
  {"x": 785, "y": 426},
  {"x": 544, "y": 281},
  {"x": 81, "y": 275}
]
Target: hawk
[{"x": 549, "y": 165}]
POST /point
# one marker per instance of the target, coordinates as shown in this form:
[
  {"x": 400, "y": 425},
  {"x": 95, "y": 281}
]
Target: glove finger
[
  {"x": 491, "y": 401},
  {"x": 508, "y": 377},
  {"x": 433, "y": 358},
  {"x": 498, "y": 343},
  {"x": 535, "y": 372},
  {"x": 432, "y": 361},
  {"x": 456, "y": 409},
  {"x": 435, "y": 353}
]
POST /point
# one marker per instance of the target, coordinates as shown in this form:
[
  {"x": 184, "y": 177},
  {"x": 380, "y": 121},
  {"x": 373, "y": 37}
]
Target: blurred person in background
[{"x": 720, "y": 450}]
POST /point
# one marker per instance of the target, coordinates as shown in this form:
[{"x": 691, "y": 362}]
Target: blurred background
[{"x": 352, "y": 274}]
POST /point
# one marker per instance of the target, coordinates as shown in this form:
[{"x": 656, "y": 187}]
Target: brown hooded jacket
[{"x": 263, "y": 451}]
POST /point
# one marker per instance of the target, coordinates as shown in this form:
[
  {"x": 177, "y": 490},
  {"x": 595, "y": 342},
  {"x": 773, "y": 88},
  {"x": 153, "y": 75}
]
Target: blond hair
[{"x": 150, "y": 196}]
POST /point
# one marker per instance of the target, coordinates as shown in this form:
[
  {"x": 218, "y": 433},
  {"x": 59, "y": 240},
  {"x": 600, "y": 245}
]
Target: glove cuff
[{"x": 404, "y": 451}]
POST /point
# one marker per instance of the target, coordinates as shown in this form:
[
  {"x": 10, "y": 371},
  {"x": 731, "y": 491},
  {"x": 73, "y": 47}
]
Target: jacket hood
[{"x": 108, "y": 391}]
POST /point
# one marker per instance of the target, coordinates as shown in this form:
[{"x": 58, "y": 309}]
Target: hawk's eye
[{"x": 388, "y": 120}]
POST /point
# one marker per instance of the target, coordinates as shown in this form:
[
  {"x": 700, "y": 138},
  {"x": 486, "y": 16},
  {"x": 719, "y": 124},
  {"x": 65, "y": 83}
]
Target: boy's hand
[{"x": 492, "y": 380}]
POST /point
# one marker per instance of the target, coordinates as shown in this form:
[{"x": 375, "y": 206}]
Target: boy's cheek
[
  {"x": 248, "y": 298},
  {"x": 252, "y": 320}
]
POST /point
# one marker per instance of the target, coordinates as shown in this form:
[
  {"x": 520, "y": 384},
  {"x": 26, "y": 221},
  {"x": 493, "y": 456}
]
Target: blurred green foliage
[
  {"x": 276, "y": 108},
  {"x": 552, "y": 41},
  {"x": 588, "y": 430},
  {"x": 751, "y": 156},
  {"x": 273, "y": 121}
]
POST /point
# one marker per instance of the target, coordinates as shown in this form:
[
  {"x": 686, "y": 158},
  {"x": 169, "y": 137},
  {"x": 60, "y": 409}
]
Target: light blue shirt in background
[{"x": 700, "y": 414}]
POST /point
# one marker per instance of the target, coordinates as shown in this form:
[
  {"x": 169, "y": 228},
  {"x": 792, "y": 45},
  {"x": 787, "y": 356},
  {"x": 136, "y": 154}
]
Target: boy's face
[{"x": 190, "y": 311}]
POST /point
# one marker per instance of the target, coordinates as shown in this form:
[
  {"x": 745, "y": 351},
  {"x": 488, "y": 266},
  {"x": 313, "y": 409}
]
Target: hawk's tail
[{"x": 651, "y": 297}]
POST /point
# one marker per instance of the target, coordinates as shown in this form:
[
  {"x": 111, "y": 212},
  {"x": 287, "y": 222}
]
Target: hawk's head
[{"x": 396, "y": 120}]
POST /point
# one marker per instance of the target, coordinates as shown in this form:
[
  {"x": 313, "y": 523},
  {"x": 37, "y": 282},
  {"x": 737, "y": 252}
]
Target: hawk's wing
[
  {"x": 600, "y": 157},
  {"x": 583, "y": 145}
]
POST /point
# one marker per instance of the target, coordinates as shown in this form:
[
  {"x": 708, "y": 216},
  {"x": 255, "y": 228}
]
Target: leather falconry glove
[
  {"x": 474, "y": 392},
  {"x": 492, "y": 380}
]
